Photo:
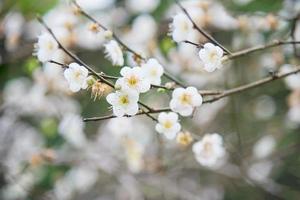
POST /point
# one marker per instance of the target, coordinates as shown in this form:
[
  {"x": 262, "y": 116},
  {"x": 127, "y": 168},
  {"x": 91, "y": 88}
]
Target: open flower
[
  {"x": 46, "y": 47},
  {"x": 185, "y": 100},
  {"x": 168, "y": 125},
  {"x": 153, "y": 71},
  {"x": 181, "y": 27},
  {"x": 76, "y": 75},
  {"x": 133, "y": 79},
  {"x": 211, "y": 56},
  {"x": 114, "y": 52},
  {"x": 210, "y": 151},
  {"x": 124, "y": 102}
]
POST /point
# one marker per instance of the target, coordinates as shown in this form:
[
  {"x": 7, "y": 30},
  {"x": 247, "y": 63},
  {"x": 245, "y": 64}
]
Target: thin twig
[
  {"x": 73, "y": 56},
  {"x": 224, "y": 94},
  {"x": 126, "y": 47},
  {"x": 245, "y": 52},
  {"x": 209, "y": 37},
  {"x": 252, "y": 85}
]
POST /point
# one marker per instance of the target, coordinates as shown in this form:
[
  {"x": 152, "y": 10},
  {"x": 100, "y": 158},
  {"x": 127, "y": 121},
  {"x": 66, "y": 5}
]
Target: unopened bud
[
  {"x": 90, "y": 81},
  {"x": 170, "y": 85},
  {"x": 108, "y": 34}
]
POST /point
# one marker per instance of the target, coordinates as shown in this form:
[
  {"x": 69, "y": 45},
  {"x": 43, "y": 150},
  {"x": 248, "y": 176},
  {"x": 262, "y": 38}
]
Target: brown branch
[
  {"x": 252, "y": 85},
  {"x": 73, "y": 56},
  {"x": 200, "y": 30},
  {"x": 222, "y": 95},
  {"x": 245, "y": 52},
  {"x": 126, "y": 47}
]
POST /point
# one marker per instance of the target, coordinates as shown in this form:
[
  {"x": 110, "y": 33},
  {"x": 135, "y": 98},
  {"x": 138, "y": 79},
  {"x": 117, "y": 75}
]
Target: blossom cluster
[{"x": 143, "y": 57}]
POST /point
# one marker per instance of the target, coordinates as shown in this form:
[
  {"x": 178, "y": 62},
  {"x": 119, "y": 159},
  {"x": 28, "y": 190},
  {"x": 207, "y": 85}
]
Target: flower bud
[{"x": 108, "y": 35}]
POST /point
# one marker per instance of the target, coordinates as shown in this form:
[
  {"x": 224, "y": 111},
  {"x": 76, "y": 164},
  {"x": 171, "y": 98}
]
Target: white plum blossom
[
  {"x": 185, "y": 100},
  {"x": 143, "y": 5},
  {"x": 153, "y": 71},
  {"x": 210, "y": 151},
  {"x": 211, "y": 56},
  {"x": 133, "y": 79},
  {"x": 124, "y": 102},
  {"x": 92, "y": 5},
  {"x": 182, "y": 28},
  {"x": 168, "y": 125},
  {"x": 114, "y": 52},
  {"x": 46, "y": 47},
  {"x": 76, "y": 75}
]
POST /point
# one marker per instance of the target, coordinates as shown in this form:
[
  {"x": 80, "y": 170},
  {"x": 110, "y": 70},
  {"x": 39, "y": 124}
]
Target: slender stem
[
  {"x": 73, "y": 56},
  {"x": 209, "y": 37},
  {"x": 126, "y": 47},
  {"x": 252, "y": 85},
  {"x": 223, "y": 94},
  {"x": 245, "y": 52}
]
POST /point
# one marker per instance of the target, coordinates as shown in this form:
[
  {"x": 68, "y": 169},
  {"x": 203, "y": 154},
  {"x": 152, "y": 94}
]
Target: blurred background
[{"x": 48, "y": 152}]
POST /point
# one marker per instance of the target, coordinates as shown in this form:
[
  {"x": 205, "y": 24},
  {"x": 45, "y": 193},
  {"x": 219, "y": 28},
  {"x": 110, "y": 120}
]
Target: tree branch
[
  {"x": 245, "y": 52},
  {"x": 126, "y": 47},
  {"x": 200, "y": 30},
  {"x": 222, "y": 95}
]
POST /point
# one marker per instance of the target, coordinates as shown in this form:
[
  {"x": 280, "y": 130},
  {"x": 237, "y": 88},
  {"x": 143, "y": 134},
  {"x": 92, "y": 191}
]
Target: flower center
[
  {"x": 208, "y": 148},
  {"x": 184, "y": 26},
  {"x": 153, "y": 72},
  {"x": 77, "y": 74},
  {"x": 186, "y": 99},
  {"x": 50, "y": 45},
  {"x": 168, "y": 124},
  {"x": 132, "y": 80},
  {"x": 213, "y": 56},
  {"x": 124, "y": 100}
]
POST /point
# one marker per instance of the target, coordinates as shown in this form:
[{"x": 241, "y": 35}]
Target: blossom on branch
[
  {"x": 185, "y": 100},
  {"x": 114, "y": 52},
  {"x": 46, "y": 47},
  {"x": 153, "y": 71},
  {"x": 182, "y": 28},
  {"x": 168, "y": 125},
  {"x": 77, "y": 77},
  {"x": 133, "y": 79},
  {"x": 211, "y": 56},
  {"x": 124, "y": 102}
]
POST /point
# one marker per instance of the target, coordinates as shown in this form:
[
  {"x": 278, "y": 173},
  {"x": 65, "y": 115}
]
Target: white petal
[
  {"x": 170, "y": 135},
  {"x": 111, "y": 98},
  {"x": 132, "y": 109},
  {"x": 125, "y": 71},
  {"x": 173, "y": 116},
  {"x": 118, "y": 111}
]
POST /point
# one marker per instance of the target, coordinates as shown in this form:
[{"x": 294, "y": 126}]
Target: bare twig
[
  {"x": 200, "y": 30},
  {"x": 245, "y": 52},
  {"x": 252, "y": 85}
]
